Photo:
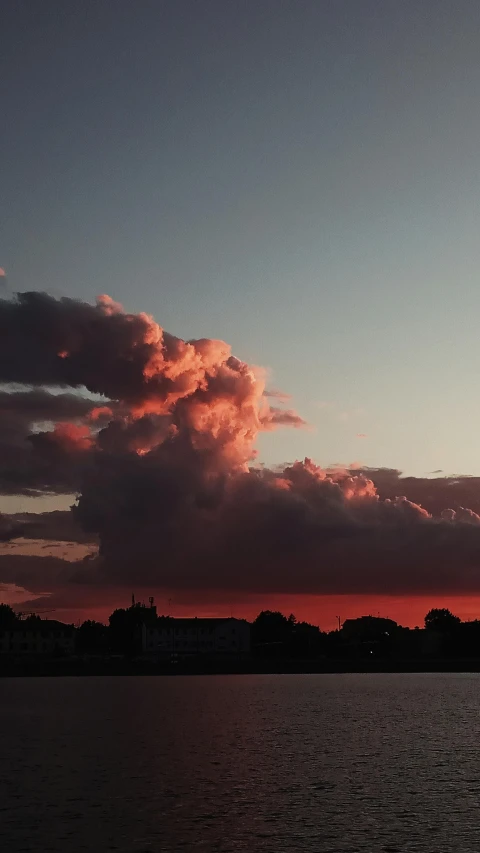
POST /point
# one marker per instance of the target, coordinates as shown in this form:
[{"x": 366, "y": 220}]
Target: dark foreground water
[{"x": 230, "y": 763}]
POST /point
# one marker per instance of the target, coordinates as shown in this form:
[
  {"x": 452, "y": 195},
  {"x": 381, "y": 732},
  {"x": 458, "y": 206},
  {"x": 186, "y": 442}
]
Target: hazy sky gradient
[{"x": 298, "y": 178}]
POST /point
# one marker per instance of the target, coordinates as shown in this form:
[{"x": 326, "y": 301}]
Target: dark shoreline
[{"x": 78, "y": 668}]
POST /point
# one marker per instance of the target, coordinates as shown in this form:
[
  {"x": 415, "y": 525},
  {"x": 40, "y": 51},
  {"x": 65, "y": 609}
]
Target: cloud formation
[
  {"x": 10, "y": 528},
  {"x": 57, "y": 526},
  {"x": 36, "y": 426},
  {"x": 164, "y": 462},
  {"x": 433, "y": 493}
]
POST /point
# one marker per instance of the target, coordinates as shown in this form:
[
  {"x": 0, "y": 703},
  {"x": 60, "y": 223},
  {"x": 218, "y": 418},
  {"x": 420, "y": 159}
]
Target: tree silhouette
[
  {"x": 271, "y": 626},
  {"x": 8, "y": 617},
  {"x": 275, "y": 634},
  {"x": 92, "y": 638},
  {"x": 441, "y": 619},
  {"x": 125, "y": 629}
]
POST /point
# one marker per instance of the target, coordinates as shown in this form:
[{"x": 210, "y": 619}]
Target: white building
[
  {"x": 41, "y": 637},
  {"x": 185, "y": 637}
]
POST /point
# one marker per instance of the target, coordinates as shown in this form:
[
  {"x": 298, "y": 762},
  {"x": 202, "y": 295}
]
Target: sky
[{"x": 297, "y": 179}]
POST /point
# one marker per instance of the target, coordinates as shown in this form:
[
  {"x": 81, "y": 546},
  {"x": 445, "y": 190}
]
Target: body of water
[{"x": 312, "y": 763}]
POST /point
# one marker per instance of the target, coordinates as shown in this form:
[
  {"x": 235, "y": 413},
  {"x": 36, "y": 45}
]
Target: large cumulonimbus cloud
[{"x": 157, "y": 437}]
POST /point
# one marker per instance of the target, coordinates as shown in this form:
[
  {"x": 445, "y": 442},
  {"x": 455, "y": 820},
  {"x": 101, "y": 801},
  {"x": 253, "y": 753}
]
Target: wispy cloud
[{"x": 10, "y": 593}]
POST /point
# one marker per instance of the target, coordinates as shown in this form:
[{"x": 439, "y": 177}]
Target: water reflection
[{"x": 260, "y": 763}]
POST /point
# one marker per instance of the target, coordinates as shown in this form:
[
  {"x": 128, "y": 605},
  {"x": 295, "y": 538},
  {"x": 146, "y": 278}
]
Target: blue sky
[{"x": 298, "y": 178}]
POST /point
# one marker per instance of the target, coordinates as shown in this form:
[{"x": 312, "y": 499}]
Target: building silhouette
[
  {"x": 185, "y": 638},
  {"x": 38, "y": 637}
]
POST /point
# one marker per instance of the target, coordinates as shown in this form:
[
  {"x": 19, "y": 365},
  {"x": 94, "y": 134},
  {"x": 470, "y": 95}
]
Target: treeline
[
  {"x": 443, "y": 635},
  {"x": 275, "y": 636}
]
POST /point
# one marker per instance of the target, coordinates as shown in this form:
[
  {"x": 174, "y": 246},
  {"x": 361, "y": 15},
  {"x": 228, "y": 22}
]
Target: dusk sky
[{"x": 299, "y": 179}]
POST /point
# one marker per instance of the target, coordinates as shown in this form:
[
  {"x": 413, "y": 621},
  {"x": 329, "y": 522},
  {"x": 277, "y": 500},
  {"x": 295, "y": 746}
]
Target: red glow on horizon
[{"x": 318, "y": 610}]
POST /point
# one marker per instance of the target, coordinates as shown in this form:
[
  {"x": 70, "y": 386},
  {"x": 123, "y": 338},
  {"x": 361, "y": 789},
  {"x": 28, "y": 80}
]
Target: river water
[{"x": 312, "y": 763}]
